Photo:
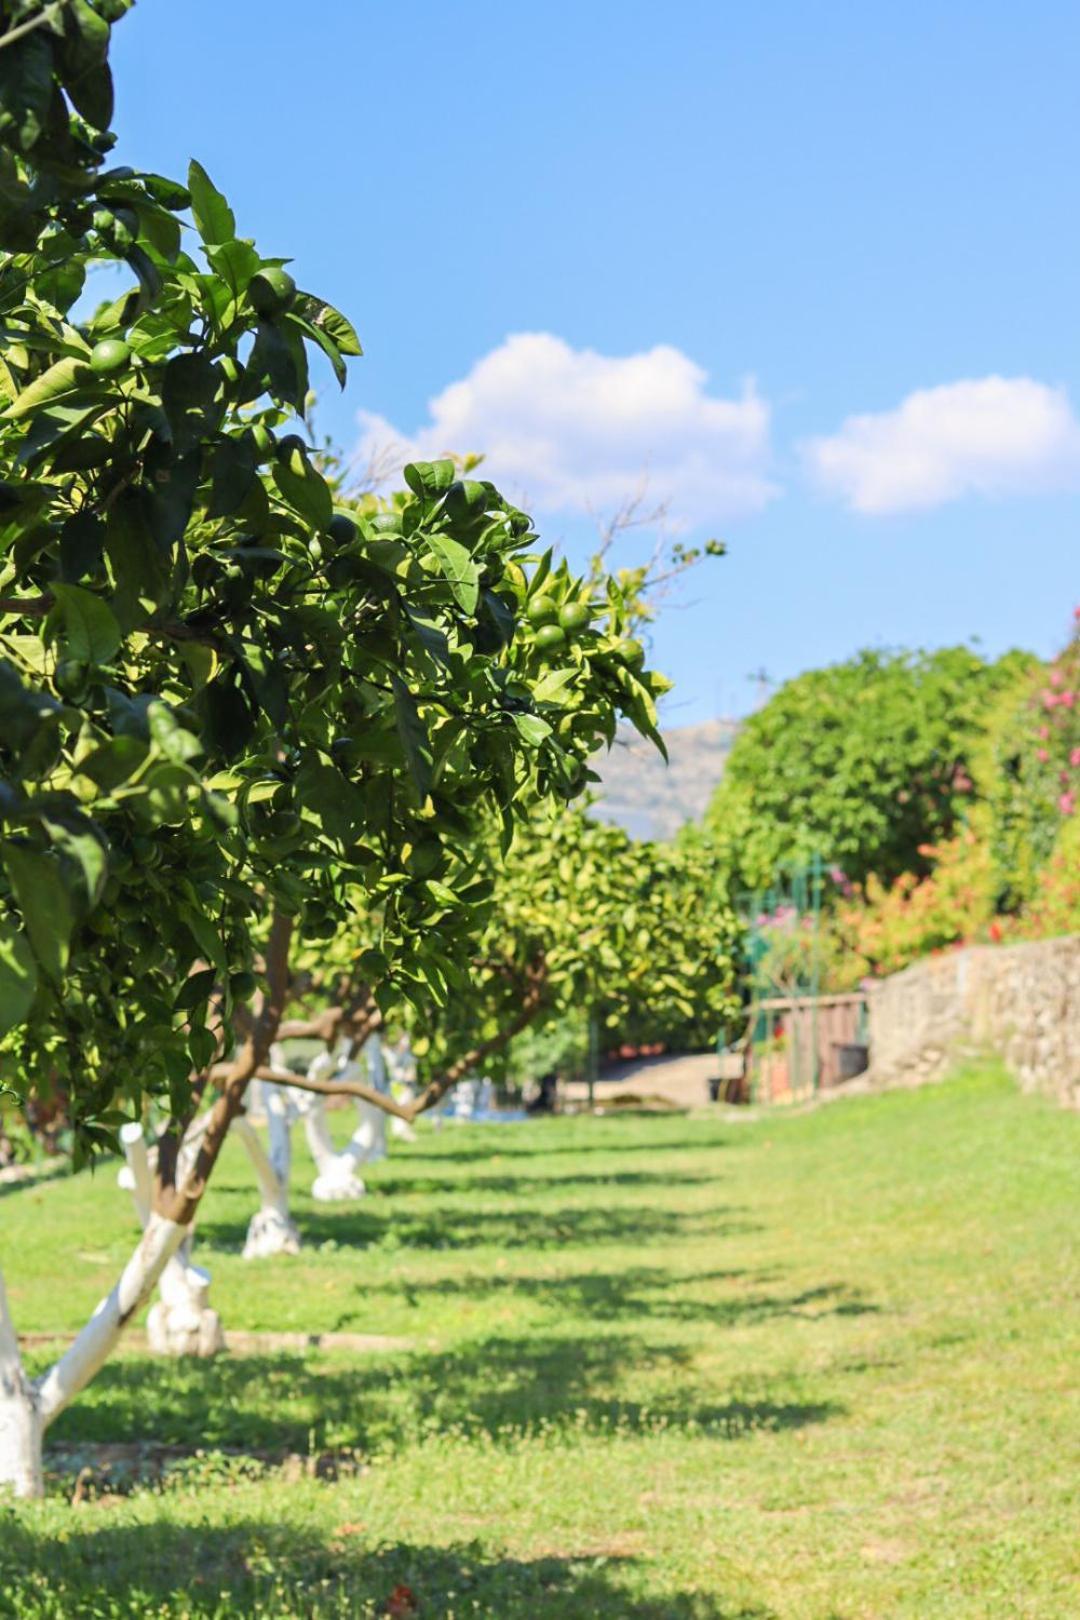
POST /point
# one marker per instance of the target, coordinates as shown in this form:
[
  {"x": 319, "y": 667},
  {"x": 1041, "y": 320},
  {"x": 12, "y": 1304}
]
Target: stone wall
[{"x": 1021, "y": 1001}]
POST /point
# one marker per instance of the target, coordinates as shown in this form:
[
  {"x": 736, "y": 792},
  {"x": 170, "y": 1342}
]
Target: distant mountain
[{"x": 651, "y": 799}]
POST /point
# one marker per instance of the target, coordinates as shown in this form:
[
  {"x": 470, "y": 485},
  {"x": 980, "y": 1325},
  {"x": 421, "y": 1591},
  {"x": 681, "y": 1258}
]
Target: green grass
[{"x": 817, "y": 1366}]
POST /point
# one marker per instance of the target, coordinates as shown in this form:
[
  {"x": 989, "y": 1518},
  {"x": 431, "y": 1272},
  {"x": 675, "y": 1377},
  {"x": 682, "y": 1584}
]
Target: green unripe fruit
[
  {"x": 242, "y": 985},
  {"x": 341, "y": 529},
  {"x": 71, "y": 678},
  {"x": 574, "y": 617},
  {"x": 631, "y": 653},
  {"x": 549, "y": 638},
  {"x": 291, "y": 445},
  {"x": 386, "y": 523},
  {"x": 541, "y": 610},
  {"x": 465, "y": 499},
  {"x": 315, "y": 550},
  {"x": 271, "y": 292},
  {"x": 425, "y": 858},
  {"x": 109, "y": 356}
]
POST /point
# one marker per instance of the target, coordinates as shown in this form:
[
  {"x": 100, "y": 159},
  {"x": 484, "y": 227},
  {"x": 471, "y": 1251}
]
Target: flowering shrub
[
  {"x": 881, "y": 930},
  {"x": 1032, "y": 773},
  {"x": 1055, "y": 905}
]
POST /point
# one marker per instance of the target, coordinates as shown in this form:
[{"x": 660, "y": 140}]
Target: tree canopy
[
  {"x": 227, "y": 693},
  {"x": 864, "y": 762}
]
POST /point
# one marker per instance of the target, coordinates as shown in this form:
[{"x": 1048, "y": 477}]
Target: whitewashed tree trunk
[
  {"x": 21, "y": 1427},
  {"x": 271, "y": 1229},
  {"x": 337, "y": 1177},
  {"x": 63, "y": 1381},
  {"x": 182, "y": 1322}
]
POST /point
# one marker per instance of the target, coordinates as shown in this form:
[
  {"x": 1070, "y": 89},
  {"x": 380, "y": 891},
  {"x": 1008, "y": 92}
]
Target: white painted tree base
[
  {"x": 338, "y": 1182},
  {"x": 21, "y": 1431},
  {"x": 182, "y": 1322},
  {"x": 271, "y": 1232}
]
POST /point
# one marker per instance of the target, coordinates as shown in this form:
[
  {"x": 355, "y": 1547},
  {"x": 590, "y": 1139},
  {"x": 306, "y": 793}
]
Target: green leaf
[
  {"x": 84, "y": 58},
  {"x": 305, "y": 489},
  {"x": 18, "y": 977},
  {"x": 169, "y": 193},
  {"x": 430, "y": 477},
  {"x": 45, "y": 905},
  {"x": 532, "y": 728},
  {"x": 214, "y": 219},
  {"x": 458, "y": 568},
  {"x": 136, "y": 564},
  {"x": 325, "y": 343},
  {"x": 197, "y": 988},
  {"x": 91, "y": 633},
  {"x": 331, "y": 321},
  {"x": 414, "y": 736},
  {"x": 205, "y": 936},
  {"x": 333, "y": 800},
  {"x": 82, "y": 541},
  {"x": 62, "y": 381},
  {"x": 232, "y": 473},
  {"x": 271, "y": 365},
  {"x": 551, "y": 685},
  {"x": 148, "y": 274},
  {"x": 114, "y": 762},
  {"x": 83, "y": 844}
]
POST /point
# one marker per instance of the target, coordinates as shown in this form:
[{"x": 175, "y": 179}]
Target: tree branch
[
  {"x": 435, "y": 1090},
  {"x": 180, "y": 1203}
]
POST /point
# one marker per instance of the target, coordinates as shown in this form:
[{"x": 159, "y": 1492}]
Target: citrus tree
[
  {"x": 583, "y": 919},
  {"x": 236, "y": 716}
]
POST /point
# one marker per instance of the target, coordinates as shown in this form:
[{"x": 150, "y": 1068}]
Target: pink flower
[
  {"x": 1042, "y": 755},
  {"x": 1067, "y": 698},
  {"x": 1049, "y": 699},
  {"x": 1044, "y": 732},
  {"x": 1074, "y": 757},
  {"x": 1055, "y": 677},
  {"x": 1067, "y": 804}
]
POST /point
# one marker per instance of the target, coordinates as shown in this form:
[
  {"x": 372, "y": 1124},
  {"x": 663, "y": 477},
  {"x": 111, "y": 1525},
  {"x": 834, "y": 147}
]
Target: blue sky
[{"x": 772, "y": 256}]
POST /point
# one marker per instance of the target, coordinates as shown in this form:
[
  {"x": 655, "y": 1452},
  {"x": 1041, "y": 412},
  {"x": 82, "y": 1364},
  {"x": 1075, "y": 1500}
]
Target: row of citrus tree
[{"x": 272, "y": 760}]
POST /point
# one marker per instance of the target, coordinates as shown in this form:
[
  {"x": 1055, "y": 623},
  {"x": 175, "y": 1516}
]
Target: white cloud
[
  {"x": 571, "y": 430},
  {"x": 989, "y": 436}
]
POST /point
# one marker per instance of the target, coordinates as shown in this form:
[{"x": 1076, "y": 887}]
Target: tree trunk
[
  {"x": 59, "y": 1386},
  {"x": 181, "y": 1322},
  {"x": 337, "y": 1179},
  {"x": 21, "y": 1428},
  {"x": 272, "y": 1229}
]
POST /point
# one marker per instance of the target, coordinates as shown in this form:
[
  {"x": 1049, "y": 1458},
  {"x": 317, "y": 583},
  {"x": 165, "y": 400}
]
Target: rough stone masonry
[{"x": 1021, "y": 1001}]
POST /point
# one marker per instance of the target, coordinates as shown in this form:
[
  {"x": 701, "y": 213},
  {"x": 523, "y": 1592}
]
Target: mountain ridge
[{"x": 652, "y": 800}]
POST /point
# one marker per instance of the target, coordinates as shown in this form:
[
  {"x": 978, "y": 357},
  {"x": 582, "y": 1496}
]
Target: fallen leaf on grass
[{"x": 401, "y": 1604}]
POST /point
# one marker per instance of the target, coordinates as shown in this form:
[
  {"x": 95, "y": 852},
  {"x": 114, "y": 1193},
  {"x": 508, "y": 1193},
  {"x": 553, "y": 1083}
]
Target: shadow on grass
[
  {"x": 203, "y": 1571},
  {"x": 360, "y": 1225},
  {"x": 520, "y": 1145},
  {"x": 499, "y": 1388},
  {"x": 634, "y": 1294}
]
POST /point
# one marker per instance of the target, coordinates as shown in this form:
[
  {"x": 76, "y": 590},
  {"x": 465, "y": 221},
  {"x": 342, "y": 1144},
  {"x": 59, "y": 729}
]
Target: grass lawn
[{"x": 816, "y": 1367}]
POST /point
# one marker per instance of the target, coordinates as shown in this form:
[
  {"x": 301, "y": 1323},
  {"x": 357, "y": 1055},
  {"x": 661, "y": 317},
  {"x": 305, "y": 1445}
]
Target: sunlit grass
[{"x": 809, "y": 1366}]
